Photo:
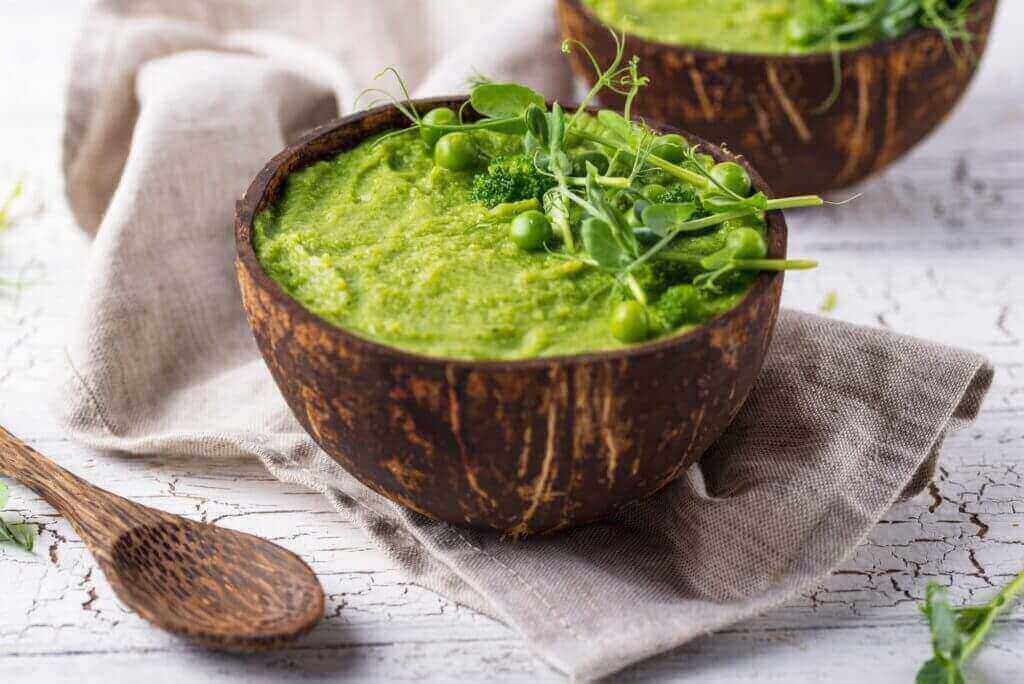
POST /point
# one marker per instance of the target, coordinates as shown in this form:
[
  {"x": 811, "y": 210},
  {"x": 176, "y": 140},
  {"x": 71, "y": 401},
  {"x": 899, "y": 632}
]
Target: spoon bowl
[
  {"x": 217, "y": 587},
  {"x": 221, "y": 589}
]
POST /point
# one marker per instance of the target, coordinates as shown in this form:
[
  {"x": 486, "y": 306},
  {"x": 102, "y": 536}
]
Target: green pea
[
  {"x": 629, "y": 322},
  {"x": 671, "y": 148},
  {"x": 654, "y": 192},
  {"x": 733, "y": 177},
  {"x": 456, "y": 152},
  {"x": 531, "y": 230},
  {"x": 441, "y": 116},
  {"x": 746, "y": 243}
]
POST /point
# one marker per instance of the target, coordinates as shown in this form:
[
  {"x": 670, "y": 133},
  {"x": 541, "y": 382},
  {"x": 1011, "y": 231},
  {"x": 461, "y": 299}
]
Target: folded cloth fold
[{"x": 174, "y": 106}]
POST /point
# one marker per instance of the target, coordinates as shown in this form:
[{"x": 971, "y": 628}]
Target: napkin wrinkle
[{"x": 174, "y": 106}]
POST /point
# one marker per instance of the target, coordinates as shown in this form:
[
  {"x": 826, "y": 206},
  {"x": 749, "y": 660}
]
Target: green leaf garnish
[
  {"x": 601, "y": 245},
  {"x": 20, "y": 534},
  {"x": 616, "y": 125},
  {"x": 665, "y": 218},
  {"x": 504, "y": 100}
]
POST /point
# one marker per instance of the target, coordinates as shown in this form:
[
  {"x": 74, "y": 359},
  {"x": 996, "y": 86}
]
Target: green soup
[
  {"x": 382, "y": 243},
  {"x": 751, "y": 26}
]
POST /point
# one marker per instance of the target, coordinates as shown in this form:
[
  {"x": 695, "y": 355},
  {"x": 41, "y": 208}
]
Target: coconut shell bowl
[
  {"x": 769, "y": 107},
  {"x": 518, "y": 447}
]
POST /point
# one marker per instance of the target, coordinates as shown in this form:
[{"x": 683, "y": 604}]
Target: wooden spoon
[{"x": 223, "y": 589}]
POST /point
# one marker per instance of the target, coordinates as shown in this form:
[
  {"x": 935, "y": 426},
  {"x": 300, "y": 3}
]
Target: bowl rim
[
  {"x": 254, "y": 199},
  {"x": 878, "y": 46}
]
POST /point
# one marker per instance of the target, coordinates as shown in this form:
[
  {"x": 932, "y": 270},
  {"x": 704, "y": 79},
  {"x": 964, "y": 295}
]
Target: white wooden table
[{"x": 952, "y": 271}]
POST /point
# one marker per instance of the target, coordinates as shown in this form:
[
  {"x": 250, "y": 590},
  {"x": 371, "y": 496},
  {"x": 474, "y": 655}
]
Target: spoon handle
[{"x": 68, "y": 493}]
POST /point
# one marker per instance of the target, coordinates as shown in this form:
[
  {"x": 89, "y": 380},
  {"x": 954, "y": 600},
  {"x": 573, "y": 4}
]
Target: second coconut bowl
[{"x": 767, "y": 107}]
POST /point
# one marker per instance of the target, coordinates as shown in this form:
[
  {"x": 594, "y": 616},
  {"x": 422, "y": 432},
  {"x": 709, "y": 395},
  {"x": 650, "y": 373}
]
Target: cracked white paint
[{"x": 945, "y": 264}]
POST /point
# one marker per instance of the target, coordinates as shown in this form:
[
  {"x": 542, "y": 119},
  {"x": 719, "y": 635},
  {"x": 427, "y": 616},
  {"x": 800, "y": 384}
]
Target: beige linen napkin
[{"x": 173, "y": 106}]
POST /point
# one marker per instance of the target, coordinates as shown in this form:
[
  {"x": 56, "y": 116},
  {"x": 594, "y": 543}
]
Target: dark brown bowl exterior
[
  {"x": 515, "y": 446},
  {"x": 894, "y": 93}
]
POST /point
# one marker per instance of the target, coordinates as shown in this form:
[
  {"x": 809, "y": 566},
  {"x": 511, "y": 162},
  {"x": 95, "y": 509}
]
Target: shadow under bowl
[
  {"x": 519, "y": 447},
  {"x": 893, "y": 93}
]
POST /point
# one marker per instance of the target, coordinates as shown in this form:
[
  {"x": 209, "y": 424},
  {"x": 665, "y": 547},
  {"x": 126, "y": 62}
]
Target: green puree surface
[
  {"x": 384, "y": 244},
  {"x": 751, "y": 26}
]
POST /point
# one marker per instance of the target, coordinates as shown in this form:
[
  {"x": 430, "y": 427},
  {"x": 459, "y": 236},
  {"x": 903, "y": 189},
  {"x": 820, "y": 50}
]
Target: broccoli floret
[
  {"x": 657, "y": 276},
  {"x": 510, "y": 179},
  {"x": 680, "y": 304}
]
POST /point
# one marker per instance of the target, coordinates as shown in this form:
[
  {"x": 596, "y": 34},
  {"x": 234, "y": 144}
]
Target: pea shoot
[{"x": 605, "y": 192}]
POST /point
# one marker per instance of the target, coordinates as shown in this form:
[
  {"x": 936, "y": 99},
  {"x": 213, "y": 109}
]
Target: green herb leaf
[
  {"x": 663, "y": 218},
  {"x": 22, "y": 534},
  {"x": 969, "y": 618},
  {"x": 602, "y": 246},
  {"x": 947, "y": 639},
  {"x": 512, "y": 126},
  {"x": 621, "y": 232},
  {"x": 615, "y": 124},
  {"x": 504, "y": 100},
  {"x": 937, "y": 671}
]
